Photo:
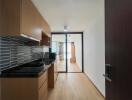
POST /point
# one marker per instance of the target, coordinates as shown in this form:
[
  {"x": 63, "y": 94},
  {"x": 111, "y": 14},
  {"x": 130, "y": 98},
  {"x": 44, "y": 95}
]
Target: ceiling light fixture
[{"x": 65, "y": 28}]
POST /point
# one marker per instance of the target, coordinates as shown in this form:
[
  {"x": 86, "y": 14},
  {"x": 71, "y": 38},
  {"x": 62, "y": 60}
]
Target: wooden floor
[
  {"x": 72, "y": 67},
  {"x": 73, "y": 86},
  {"x": 61, "y": 66}
]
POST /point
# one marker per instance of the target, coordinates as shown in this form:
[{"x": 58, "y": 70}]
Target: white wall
[{"x": 94, "y": 49}]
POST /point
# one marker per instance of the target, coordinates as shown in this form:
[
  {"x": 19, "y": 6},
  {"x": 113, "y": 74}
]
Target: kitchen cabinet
[
  {"x": 45, "y": 40},
  {"x": 21, "y": 18},
  {"x": 0, "y": 14},
  {"x": 46, "y": 27},
  {"x": 26, "y": 85},
  {"x": 23, "y": 88},
  {"x": 52, "y": 75},
  {"x": 55, "y": 71},
  {"x": 30, "y": 20},
  {"x": 43, "y": 87},
  {"x": 0, "y": 90}
]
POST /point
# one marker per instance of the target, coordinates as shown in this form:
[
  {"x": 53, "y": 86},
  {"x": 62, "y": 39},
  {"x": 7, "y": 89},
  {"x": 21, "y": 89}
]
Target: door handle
[
  {"x": 108, "y": 65},
  {"x": 107, "y": 78},
  {"x": 108, "y": 72}
]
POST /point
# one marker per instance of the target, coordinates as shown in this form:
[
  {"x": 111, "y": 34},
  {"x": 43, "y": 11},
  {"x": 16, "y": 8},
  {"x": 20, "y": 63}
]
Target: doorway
[{"x": 68, "y": 47}]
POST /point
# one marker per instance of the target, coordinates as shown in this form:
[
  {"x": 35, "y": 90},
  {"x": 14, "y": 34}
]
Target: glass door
[
  {"x": 74, "y": 52},
  {"x": 59, "y": 47},
  {"x": 69, "y": 50}
]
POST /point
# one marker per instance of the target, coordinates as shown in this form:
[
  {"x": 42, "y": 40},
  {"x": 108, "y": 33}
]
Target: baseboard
[{"x": 94, "y": 85}]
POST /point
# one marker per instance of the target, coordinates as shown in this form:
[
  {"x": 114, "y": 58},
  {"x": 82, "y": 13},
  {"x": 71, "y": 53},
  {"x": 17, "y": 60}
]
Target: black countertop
[{"x": 33, "y": 69}]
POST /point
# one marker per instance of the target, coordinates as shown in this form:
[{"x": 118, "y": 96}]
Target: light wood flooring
[
  {"x": 74, "y": 86},
  {"x": 61, "y": 66},
  {"x": 72, "y": 67}
]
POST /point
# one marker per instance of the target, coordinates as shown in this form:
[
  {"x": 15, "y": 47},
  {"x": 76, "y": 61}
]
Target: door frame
[{"x": 67, "y": 33}]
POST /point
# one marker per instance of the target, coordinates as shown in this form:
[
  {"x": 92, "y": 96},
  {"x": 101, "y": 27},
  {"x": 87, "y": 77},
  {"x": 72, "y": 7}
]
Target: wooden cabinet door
[
  {"x": 51, "y": 76},
  {"x": 45, "y": 40},
  {"x": 0, "y": 17},
  {"x": 118, "y": 39},
  {"x": 10, "y": 14},
  {"x": 55, "y": 71},
  {"x": 30, "y": 24},
  {"x": 43, "y": 91},
  {"x": 45, "y": 27}
]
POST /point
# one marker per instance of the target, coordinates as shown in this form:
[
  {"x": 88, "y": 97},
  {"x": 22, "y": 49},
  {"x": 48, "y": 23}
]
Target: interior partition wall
[{"x": 69, "y": 49}]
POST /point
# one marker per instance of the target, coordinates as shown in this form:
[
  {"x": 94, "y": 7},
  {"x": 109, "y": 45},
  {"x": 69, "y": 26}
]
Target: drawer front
[
  {"x": 43, "y": 92},
  {"x": 42, "y": 79}
]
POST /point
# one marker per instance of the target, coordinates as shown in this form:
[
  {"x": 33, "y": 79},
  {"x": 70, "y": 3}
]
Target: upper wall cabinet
[
  {"x": 0, "y": 14},
  {"x": 45, "y": 40},
  {"x": 46, "y": 27},
  {"x": 20, "y": 17}
]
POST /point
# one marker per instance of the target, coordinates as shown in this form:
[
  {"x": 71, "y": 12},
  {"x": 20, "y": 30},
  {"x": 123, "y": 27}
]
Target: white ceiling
[{"x": 76, "y": 14}]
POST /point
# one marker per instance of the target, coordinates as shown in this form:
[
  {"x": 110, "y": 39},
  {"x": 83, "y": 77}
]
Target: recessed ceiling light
[{"x": 65, "y": 28}]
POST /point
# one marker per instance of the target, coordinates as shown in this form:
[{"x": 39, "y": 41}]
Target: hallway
[
  {"x": 67, "y": 17},
  {"x": 71, "y": 67},
  {"x": 74, "y": 86}
]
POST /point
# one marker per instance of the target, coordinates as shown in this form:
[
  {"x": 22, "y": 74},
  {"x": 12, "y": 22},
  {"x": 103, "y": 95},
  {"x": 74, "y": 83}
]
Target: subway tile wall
[{"x": 14, "y": 52}]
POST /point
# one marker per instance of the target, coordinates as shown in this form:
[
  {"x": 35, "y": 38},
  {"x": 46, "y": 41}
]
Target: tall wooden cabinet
[{"x": 20, "y": 17}]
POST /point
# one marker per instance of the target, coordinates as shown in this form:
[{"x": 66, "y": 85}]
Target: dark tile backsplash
[{"x": 14, "y": 52}]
